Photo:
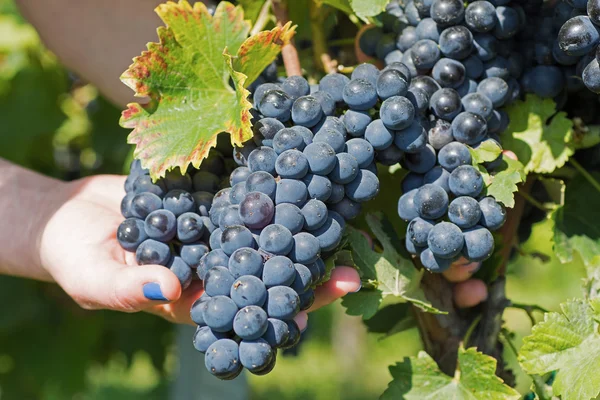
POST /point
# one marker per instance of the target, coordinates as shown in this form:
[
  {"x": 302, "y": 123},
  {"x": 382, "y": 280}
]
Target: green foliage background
[{"x": 51, "y": 349}]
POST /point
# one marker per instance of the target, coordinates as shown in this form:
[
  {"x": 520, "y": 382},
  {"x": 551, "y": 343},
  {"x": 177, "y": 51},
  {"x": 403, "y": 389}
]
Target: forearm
[
  {"x": 27, "y": 201},
  {"x": 96, "y": 39}
]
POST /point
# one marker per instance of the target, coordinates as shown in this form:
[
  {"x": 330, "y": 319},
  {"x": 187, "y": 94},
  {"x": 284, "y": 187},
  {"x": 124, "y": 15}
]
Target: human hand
[{"x": 79, "y": 249}]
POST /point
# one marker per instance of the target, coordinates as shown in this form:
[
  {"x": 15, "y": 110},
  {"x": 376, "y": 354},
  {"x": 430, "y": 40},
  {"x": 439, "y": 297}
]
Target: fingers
[
  {"x": 470, "y": 293},
  {"x": 302, "y": 320},
  {"x": 179, "y": 311},
  {"x": 461, "y": 270},
  {"x": 510, "y": 154},
  {"x": 343, "y": 280},
  {"x": 126, "y": 288}
]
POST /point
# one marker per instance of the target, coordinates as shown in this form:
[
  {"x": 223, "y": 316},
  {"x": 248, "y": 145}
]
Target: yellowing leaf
[{"x": 194, "y": 89}]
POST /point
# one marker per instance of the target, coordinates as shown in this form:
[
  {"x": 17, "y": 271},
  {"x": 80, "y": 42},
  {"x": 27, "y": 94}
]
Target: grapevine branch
[
  {"x": 291, "y": 61},
  {"x": 320, "y": 49}
]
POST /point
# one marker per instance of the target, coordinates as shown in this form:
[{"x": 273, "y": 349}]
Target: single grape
[
  {"x": 466, "y": 180},
  {"x": 425, "y": 53},
  {"x": 329, "y": 235},
  {"x": 277, "y": 333},
  {"x": 190, "y": 227},
  {"x": 321, "y": 158},
  {"x": 433, "y": 263},
  {"x": 295, "y": 87},
  {"x": 469, "y": 128},
  {"x": 143, "y": 183},
  {"x": 307, "y": 299},
  {"x": 478, "y": 103},
  {"x": 307, "y": 111},
  {"x": 334, "y": 85},
  {"x": 318, "y": 187},
  {"x": 456, "y": 42},
  {"x": 447, "y": 12},
  {"x": 412, "y": 181},
  {"x": 418, "y": 231},
  {"x": 391, "y": 83},
  {"x": 161, "y": 225},
  {"x": 428, "y": 29},
  {"x": 493, "y": 214},
  {"x": 255, "y": 355},
  {"x": 412, "y": 139},
  {"x": 131, "y": 233},
  {"x": 464, "y": 212},
  {"x": 480, "y": 16},
  {"x": 250, "y": 322},
  {"x": 495, "y": 89},
  {"x": 306, "y": 248},
  {"x": 218, "y": 281},
  {"x": 379, "y": 135},
  {"x": 174, "y": 179},
  {"x": 289, "y": 216},
  {"x": 454, "y": 155},
  {"x": 446, "y": 104},
  {"x": 276, "y": 239},
  {"x": 314, "y": 214},
  {"x": 262, "y": 159},
  {"x": 204, "y": 337},
  {"x": 256, "y": 210},
  {"x": 265, "y": 130},
  {"x": 295, "y": 334},
  {"x": 192, "y": 253},
  {"x": 291, "y": 164},
  {"x": 445, "y": 240},
  {"x": 291, "y": 191},
  {"x": 508, "y": 23},
  {"x": 230, "y": 217},
  {"x": 437, "y": 176},
  {"x": 238, "y": 193},
  {"x": 367, "y": 72},
  {"x": 479, "y": 243},
  {"x": 222, "y": 359},
  {"x": 276, "y": 104},
  {"x": 345, "y": 169},
  {"x": 440, "y": 134},
  {"x": 143, "y": 204},
  {"x": 356, "y": 122},
  {"x": 182, "y": 271},
  {"x": 449, "y": 73},
  {"x": 219, "y": 313},
  {"x": 235, "y": 237},
  {"x": 262, "y": 182},
  {"x": 282, "y": 302},
  {"x": 364, "y": 187},
  {"x": 245, "y": 261},
  {"x": 288, "y": 139},
  {"x": 303, "y": 279}
]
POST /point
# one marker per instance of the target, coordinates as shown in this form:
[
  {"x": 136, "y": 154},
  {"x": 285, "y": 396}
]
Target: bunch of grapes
[{"x": 167, "y": 221}]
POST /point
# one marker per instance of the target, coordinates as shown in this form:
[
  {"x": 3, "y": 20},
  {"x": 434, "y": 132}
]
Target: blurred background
[{"x": 50, "y": 349}]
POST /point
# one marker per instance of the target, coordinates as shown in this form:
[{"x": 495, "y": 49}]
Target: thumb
[{"x": 134, "y": 288}]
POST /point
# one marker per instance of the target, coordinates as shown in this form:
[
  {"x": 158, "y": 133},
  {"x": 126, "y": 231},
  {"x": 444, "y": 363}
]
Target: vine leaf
[
  {"x": 577, "y": 223},
  {"x": 419, "y": 377},
  {"x": 187, "y": 78},
  {"x": 362, "y": 8},
  {"x": 387, "y": 273},
  {"x": 502, "y": 183},
  {"x": 540, "y": 137},
  {"x": 567, "y": 341},
  {"x": 487, "y": 151}
]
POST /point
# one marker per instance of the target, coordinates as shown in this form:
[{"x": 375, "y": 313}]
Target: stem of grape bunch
[{"x": 291, "y": 61}]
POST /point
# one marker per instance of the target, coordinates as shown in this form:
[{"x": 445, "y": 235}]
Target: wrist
[{"x": 28, "y": 202}]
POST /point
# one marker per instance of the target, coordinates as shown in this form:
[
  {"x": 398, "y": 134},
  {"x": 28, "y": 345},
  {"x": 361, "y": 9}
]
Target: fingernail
[
  {"x": 359, "y": 287},
  {"x": 304, "y": 330},
  {"x": 152, "y": 292}
]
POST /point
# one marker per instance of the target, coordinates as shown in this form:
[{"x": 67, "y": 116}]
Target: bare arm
[{"x": 96, "y": 39}]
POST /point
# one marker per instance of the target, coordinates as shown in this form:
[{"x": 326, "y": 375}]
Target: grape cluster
[
  {"x": 167, "y": 222},
  {"x": 297, "y": 182}
]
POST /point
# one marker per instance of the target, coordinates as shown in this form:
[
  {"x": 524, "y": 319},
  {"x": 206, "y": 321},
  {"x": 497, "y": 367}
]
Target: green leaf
[
  {"x": 343, "y": 5},
  {"x": 487, "y": 151},
  {"x": 385, "y": 274},
  {"x": 577, "y": 223},
  {"x": 187, "y": 78},
  {"x": 590, "y": 137},
  {"x": 419, "y": 378},
  {"x": 540, "y": 137},
  {"x": 252, "y": 8},
  {"x": 362, "y": 8},
  {"x": 567, "y": 341},
  {"x": 503, "y": 184}
]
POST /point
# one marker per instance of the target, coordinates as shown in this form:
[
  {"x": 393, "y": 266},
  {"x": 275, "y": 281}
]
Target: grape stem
[
  {"x": 291, "y": 61},
  {"x": 534, "y": 202},
  {"x": 529, "y": 309},
  {"x": 585, "y": 174},
  {"x": 321, "y": 56}
]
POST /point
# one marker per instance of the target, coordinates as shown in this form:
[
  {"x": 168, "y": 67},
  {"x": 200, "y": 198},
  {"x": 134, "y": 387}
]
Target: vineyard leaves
[
  {"x": 387, "y": 273},
  {"x": 567, "y": 341},
  {"x": 419, "y": 378},
  {"x": 502, "y": 184},
  {"x": 187, "y": 78},
  {"x": 540, "y": 137},
  {"x": 362, "y": 8},
  {"x": 575, "y": 230}
]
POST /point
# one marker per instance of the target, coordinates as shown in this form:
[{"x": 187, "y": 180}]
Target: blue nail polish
[{"x": 152, "y": 292}]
